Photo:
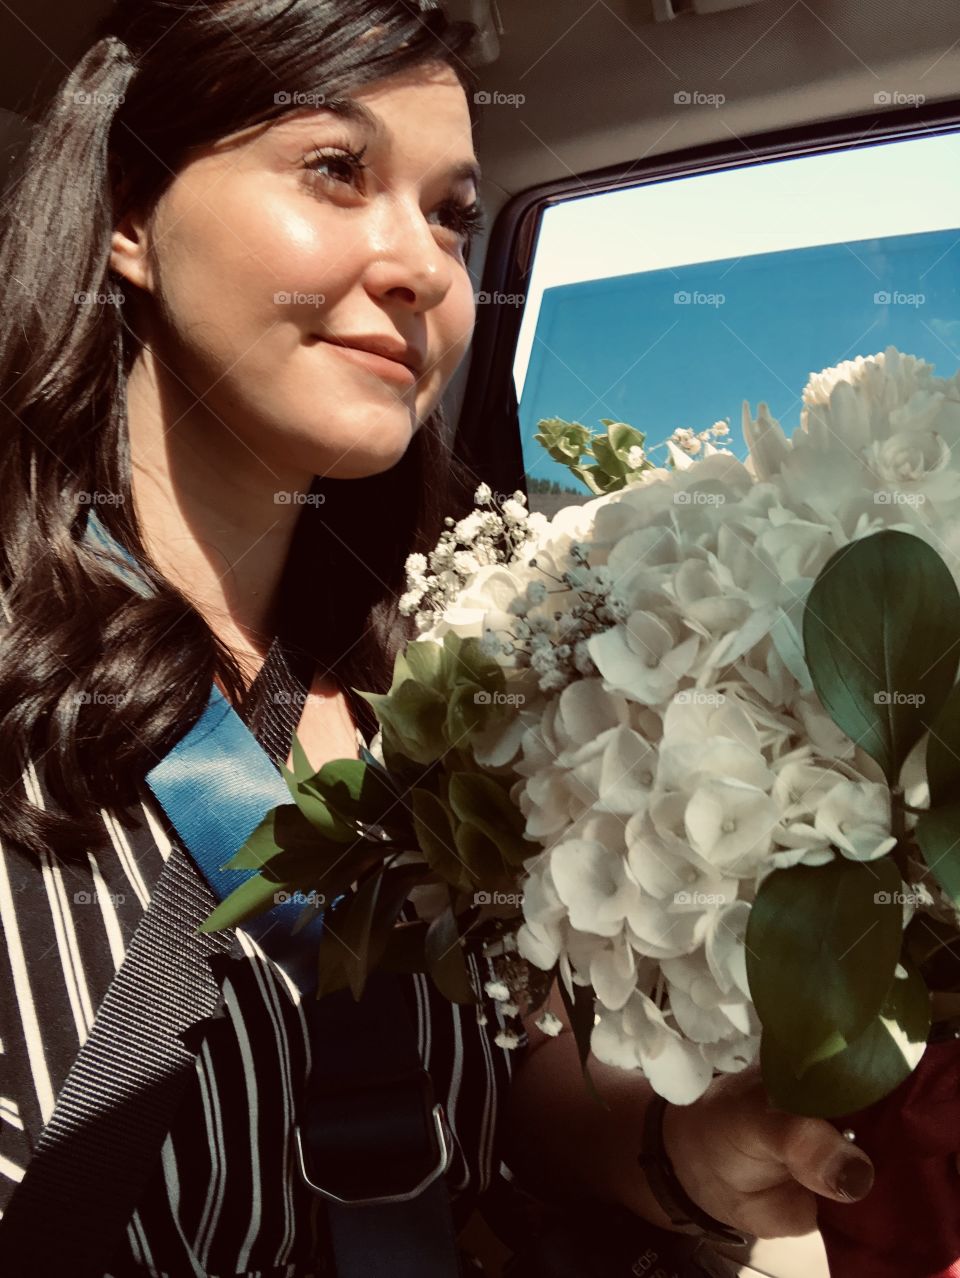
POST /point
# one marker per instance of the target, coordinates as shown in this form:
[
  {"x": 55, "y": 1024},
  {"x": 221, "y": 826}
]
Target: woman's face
[{"x": 272, "y": 249}]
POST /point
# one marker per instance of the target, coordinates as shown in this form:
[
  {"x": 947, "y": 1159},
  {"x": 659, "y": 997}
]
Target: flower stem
[{"x": 898, "y": 828}]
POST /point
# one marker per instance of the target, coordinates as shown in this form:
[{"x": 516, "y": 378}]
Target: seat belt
[{"x": 371, "y": 1139}]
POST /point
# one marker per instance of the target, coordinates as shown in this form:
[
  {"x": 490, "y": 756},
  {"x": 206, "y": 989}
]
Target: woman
[{"x": 226, "y": 201}]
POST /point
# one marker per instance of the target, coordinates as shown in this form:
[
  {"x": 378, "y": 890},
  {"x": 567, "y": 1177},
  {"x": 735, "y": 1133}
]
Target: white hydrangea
[{"x": 671, "y": 751}]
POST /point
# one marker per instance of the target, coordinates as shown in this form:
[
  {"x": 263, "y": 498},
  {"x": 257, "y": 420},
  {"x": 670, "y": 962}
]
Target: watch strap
[{"x": 666, "y": 1187}]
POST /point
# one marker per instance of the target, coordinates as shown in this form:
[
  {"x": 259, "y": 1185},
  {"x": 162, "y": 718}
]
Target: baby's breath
[{"x": 486, "y": 536}]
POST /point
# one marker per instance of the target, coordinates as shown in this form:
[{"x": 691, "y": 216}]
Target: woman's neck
[{"x": 207, "y": 510}]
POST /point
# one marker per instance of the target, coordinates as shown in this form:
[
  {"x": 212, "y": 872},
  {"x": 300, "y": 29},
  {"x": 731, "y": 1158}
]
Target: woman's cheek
[
  {"x": 284, "y": 245},
  {"x": 462, "y": 318}
]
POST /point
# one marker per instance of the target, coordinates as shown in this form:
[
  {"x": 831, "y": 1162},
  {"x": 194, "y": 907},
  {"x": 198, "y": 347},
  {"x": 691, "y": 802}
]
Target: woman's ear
[{"x": 129, "y": 251}]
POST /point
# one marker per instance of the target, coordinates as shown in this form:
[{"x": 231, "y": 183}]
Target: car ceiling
[{"x": 599, "y": 79}]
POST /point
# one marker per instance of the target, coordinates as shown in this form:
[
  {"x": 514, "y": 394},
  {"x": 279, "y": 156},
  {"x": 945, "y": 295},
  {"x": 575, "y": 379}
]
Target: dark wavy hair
[{"x": 160, "y": 80}]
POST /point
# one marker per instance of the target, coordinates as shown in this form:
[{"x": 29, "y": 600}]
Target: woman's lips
[{"x": 389, "y": 369}]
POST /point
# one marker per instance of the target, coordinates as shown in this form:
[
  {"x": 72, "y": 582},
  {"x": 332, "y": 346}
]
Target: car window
[{"x": 666, "y": 305}]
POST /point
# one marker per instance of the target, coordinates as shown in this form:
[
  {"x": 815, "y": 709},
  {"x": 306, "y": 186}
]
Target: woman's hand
[{"x": 758, "y": 1168}]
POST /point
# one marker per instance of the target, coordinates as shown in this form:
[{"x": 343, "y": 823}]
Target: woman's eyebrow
[
  {"x": 351, "y": 109},
  {"x": 467, "y": 170}
]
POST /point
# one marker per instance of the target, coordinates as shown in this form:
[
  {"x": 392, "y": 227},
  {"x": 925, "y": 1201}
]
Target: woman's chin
[{"x": 360, "y": 460}]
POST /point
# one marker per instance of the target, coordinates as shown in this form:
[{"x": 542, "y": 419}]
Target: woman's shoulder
[{"x": 65, "y": 925}]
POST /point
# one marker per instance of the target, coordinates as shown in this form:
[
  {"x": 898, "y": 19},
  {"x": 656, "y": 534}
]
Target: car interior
[{"x": 583, "y": 98}]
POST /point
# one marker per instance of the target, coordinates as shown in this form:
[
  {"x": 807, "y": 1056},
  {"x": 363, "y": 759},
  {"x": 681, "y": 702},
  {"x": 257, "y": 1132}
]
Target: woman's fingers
[
  {"x": 811, "y": 1150},
  {"x": 756, "y": 1166},
  {"x": 786, "y": 1211},
  {"x": 818, "y": 1157}
]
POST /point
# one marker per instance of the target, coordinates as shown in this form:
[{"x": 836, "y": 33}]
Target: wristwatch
[{"x": 666, "y": 1187}]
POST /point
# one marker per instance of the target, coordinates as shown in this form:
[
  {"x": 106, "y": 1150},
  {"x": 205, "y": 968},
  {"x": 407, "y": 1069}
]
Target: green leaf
[
  {"x": 821, "y": 947},
  {"x": 943, "y": 751},
  {"x": 397, "y": 771},
  {"x": 433, "y": 824},
  {"x": 465, "y": 662},
  {"x": 607, "y": 457},
  {"x": 308, "y": 801},
  {"x": 582, "y": 1014},
  {"x": 360, "y": 794},
  {"x": 255, "y": 896},
  {"x": 417, "y": 716},
  {"x": 880, "y": 631},
  {"x": 446, "y": 961},
  {"x": 261, "y": 845},
  {"x": 295, "y": 831},
  {"x": 563, "y": 440},
  {"x": 322, "y": 817},
  {"x": 596, "y": 479},
  {"x": 938, "y": 834},
  {"x": 385, "y": 778},
  {"x": 364, "y": 927},
  {"x": 283, "y": 829},
  {"x": 327, "y": 873},
  {"x": 302, "y": 768},
  {"x": 423, "y": 661},
  {"x": 876, "y": 1062},
  {"x": 340, "y": 783},
  {"x": 466, "y": 712},
  {"x": 379, "y": 702},
  {"x": 483, "y": 801},
  {"x": 481, "y": 855},
  {"x": 622, "y": 438},
  {"x": 316, "y": 809}
]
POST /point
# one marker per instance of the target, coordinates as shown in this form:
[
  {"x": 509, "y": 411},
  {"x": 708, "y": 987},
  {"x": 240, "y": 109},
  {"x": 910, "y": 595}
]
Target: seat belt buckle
[{"x": 379, "y": 1141}]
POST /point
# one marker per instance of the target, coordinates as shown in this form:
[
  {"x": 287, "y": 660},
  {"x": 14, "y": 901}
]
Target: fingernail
[{"x": 852, "y": 1179}]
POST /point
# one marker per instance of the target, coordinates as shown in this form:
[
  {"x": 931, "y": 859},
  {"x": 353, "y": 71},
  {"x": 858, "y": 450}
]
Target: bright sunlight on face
[{"x": 274, "y": 256}]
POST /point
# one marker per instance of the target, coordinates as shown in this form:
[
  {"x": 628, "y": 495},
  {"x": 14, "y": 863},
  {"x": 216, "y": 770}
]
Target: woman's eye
[
  {"x": 342, "y": 166},
  {"x": 466, "y": 220}
]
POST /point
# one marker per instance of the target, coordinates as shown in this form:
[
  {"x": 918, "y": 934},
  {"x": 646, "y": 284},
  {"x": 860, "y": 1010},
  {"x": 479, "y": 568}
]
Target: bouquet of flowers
[{"x": 692, "y": 746}]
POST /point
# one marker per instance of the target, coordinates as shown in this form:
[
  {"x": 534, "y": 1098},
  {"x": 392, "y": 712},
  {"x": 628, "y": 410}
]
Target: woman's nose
[{"x": 409, "y": 260}]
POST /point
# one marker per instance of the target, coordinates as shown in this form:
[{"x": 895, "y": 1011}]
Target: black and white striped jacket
[{"x": 224, "y": 1198}]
